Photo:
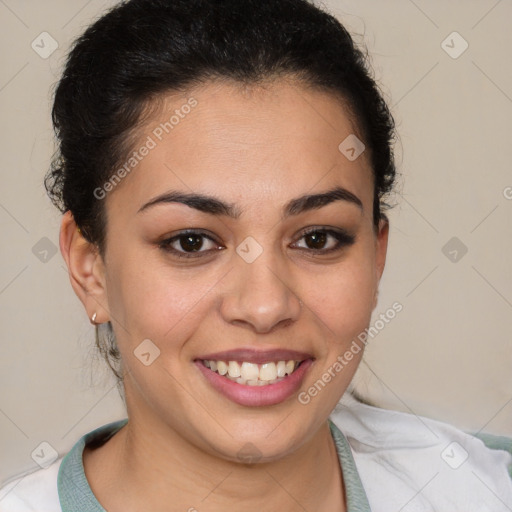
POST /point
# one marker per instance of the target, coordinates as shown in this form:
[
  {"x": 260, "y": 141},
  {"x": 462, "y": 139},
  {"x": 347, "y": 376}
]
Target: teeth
[
  {"x": 290, "y": 366},
  {"x": 268, "y": 371},
  {"x": 249, "y": 371},
  {"x": 222, "y": 367},
  {"x": 252, "y": 374},
  {"x": 234, "y": 369}
]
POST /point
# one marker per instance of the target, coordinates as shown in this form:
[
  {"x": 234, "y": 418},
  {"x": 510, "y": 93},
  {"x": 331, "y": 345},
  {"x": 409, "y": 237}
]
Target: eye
[
  {"x": 191, "y": 243},
  {"x": 317, "y": 238},
  {"x": 188, "y": 244}
]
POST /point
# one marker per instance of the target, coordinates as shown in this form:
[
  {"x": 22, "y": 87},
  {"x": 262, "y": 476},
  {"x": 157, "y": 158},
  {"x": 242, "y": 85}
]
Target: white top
[{"x": 391, "y": 461}]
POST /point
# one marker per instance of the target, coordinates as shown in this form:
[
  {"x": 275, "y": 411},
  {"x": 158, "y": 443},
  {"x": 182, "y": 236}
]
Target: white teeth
[
  {"x": 268, "y": 371},
  {"x": 222, "y": 367},
  {"x": 233, "y": 369},
  {"x": 249, "y": 371},
  {"x": 290, "y": 366},
  {"x": 252, "y": 374}
]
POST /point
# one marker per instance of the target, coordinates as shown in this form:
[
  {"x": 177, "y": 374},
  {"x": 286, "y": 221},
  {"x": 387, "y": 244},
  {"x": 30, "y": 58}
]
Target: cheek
[
  {"x": 151, "y": 300},
  {"x": 342, "y": 299}
]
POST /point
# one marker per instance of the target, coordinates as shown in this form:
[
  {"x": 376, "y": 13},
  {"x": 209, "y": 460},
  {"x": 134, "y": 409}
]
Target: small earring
[{"x": 93, "y": 318}]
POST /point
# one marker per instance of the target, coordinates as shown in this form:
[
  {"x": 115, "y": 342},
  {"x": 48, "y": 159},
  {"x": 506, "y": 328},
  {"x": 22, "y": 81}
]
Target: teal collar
[
  {"x": 74, "y": 490},
  {"x": 76, "y": 494},
  {"x": 357, "y": 500}
]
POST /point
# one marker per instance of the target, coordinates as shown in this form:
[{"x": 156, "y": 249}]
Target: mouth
[
  {"x": 253, "y": 378},
  {"x": 252, "y": 374}
]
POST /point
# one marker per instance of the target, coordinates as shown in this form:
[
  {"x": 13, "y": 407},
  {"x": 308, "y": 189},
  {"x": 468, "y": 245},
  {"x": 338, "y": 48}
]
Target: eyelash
[{"x": 344, "y": 240}]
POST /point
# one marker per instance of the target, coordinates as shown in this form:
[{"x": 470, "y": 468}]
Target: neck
[{"x": 149, "y": 466}]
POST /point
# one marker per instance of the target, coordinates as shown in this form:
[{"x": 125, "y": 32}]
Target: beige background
[{"x": 447, "y": 355}]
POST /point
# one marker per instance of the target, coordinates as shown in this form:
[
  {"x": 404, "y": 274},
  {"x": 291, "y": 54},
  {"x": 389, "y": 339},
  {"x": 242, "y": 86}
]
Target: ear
[
  {"x": 86, "y": 269},
  {"x": 381, "y": 248}
]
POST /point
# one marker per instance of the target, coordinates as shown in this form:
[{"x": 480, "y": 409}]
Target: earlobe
[{"x": 85, "y": 269}]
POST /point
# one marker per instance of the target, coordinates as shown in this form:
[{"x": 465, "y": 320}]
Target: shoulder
[
  {"x": 32, "y": 491},
  {"x": 402, "y": 456},
  {"x": 64, "y": 481}
]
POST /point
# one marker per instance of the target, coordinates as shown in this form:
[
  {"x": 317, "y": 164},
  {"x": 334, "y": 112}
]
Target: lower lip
[{"x": 257, "y": 396}]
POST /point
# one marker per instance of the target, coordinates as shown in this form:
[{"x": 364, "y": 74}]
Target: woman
[{"x": 223, "y": 170}]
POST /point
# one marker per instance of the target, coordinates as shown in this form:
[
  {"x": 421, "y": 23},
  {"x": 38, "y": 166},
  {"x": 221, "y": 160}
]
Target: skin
[{"x": 257, "y": 148}]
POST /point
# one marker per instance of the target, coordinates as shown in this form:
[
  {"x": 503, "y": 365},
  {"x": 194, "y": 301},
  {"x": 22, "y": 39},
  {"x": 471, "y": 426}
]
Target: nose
[{"x": 261, "y": 296}]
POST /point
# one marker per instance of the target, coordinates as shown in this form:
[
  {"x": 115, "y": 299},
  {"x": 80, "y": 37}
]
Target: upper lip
[{"x": 256, "y": 356}]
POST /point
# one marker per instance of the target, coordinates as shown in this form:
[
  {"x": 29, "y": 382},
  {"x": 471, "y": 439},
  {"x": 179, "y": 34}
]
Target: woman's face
[{"x": 236, "y": 283}]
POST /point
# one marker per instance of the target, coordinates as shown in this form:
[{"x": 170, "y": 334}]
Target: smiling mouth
[{"x": 252, "y": 374}]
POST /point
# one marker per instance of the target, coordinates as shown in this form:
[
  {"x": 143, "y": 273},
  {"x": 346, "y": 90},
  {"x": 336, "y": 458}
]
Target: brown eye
[
  {"x": 186, "y": 243},
  {"x": 316, "y": 240},
  {"x": 191, "y": 242}
]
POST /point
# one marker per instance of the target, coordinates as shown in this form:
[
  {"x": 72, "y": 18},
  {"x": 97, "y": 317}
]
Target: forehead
[{"x": 248, "y": 144}]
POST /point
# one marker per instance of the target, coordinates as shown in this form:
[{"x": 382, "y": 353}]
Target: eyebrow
[{"x": 215, "y": 206}]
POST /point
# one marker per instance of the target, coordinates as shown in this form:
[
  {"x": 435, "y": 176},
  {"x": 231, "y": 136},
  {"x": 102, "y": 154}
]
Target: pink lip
[
  {"x": 256, "y": 396},
  {"x": 256, "y": 356}
]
